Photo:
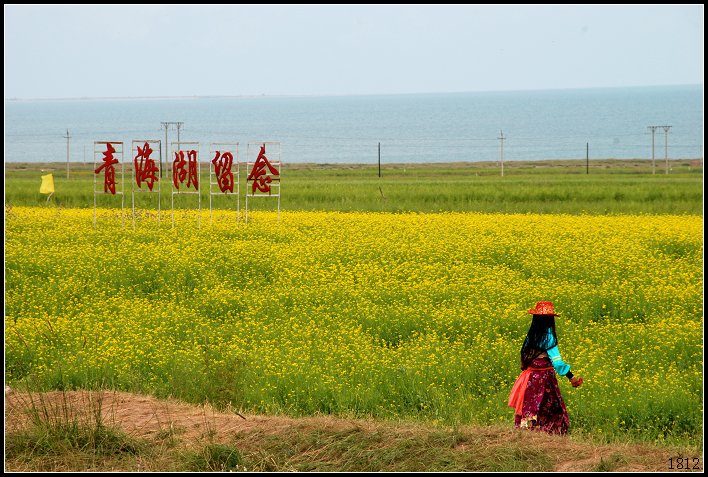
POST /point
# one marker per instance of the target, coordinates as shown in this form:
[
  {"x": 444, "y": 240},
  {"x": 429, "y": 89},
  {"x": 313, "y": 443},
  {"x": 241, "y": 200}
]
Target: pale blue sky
[{"x": 97, "y": 51}]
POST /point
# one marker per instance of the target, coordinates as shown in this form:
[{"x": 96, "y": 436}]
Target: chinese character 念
[
  {"x": 222, "y": 168},
  {"x": 178, "y": 172},
  {"x": 259, "y": 182},
  {"x": 109, "y": 181},
  {"x": 145, "y": 171}
]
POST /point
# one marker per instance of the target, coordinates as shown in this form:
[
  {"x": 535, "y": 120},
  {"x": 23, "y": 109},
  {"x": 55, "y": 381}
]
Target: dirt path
[{"x": 148, "y": 417}]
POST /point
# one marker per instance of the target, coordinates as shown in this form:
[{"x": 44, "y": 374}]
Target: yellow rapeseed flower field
[{"x": 363, "y": 314}]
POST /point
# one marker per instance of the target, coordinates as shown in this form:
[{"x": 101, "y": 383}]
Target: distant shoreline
[{"x": 324, "y": 95}]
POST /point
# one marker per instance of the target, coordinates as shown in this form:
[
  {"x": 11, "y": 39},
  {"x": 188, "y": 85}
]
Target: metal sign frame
[
  {"x": 117, "y": 154},
  {"x": 231, "y": 147},
  {"x": 275, "y": 153},
  {"x": 139, "y": 189},
  {"x": 176, "y": 149}
]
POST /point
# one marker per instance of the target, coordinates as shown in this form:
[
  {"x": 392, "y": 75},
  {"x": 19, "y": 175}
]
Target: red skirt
[{"x": 543, "y": 407}]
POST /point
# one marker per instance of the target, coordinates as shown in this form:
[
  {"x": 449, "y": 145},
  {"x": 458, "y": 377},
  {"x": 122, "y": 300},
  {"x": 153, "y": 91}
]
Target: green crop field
[
  {"x": 340, "y": 306},
  {"x": 368, "y": 313}
]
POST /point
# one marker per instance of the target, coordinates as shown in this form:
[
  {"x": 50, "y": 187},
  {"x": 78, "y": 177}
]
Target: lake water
[{"x": 414, "y": 128}]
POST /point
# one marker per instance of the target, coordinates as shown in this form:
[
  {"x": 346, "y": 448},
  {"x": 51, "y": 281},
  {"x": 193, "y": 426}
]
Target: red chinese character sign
[
  {"x": 145, "y": 171},
  {"x": 106, "y": 156},
  {"x": 224, "y": 175},
  {"x": 186, "y": 173},
  {"x": 185, "y": 170},
  {"x": 108, "y": 169},
  {"x": 223, "y": 162},
  {"x": 145, "y": 167},
  {"x": 263, "y": 172}
]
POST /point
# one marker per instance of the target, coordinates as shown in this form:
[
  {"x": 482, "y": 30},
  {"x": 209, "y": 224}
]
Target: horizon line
[{"x": 319, "y": 95}]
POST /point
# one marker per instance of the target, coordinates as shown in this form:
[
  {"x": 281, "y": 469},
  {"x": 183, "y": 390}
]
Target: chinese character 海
[{"x": 145, "y": 169}]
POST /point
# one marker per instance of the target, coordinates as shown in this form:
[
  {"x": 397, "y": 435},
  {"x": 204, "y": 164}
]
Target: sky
[{"x": 75, "y": 51}]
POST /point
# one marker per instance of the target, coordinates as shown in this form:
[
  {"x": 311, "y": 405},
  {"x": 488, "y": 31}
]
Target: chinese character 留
[
  {"x": 222, "y": 168},
  {"x": 109, "y": 180},
  {"x": 145, "y": 169},
  {"x": 179, "y": 174},
  {"x": 259, "y": 176}
]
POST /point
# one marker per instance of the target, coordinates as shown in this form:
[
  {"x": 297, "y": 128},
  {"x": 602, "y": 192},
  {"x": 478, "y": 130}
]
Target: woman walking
[{"x": 536, "y": 396}]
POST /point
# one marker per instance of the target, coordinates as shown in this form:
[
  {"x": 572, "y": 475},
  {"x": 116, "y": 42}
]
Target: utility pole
[
  {"x": 653, "y": 166},
  {"x": 666, "y": 146},
  {"x": 166, "y": 125},
  {"x": 379, "y": 159},
  {"x": 587, "y": 158},
  {"x": 67, "y": 153},
  {"x": 501, "y": 150}
]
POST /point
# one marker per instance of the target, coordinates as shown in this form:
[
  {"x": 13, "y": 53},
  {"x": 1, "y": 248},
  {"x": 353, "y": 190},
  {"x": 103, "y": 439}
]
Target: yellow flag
[{"x": 47, "y": 186}]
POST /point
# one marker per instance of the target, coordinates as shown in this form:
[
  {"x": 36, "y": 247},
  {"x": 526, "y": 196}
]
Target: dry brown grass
[{"x": 173, "y": 430}]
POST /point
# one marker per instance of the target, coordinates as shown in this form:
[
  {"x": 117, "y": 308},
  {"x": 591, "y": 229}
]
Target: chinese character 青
[{"x": 109, "y": 180}]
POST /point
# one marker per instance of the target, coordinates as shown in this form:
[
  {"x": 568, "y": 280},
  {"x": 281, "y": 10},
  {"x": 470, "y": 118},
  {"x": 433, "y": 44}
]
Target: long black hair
[{"x": 538, "y": 339}]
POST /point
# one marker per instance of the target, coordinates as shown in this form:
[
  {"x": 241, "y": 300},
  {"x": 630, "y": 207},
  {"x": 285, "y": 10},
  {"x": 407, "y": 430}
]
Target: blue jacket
[{"x": 560, "y": 366}]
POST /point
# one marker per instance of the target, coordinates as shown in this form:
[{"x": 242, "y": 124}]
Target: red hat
[{"x": 543, "y": 308}]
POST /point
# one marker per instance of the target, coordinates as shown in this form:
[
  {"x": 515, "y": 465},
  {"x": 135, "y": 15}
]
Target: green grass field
[{"x": 548, "y": 187}]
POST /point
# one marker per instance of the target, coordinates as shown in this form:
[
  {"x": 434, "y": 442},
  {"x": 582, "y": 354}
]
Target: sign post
[
  {"x": 186, "y": 174},
  {"x": 224, "y": 159},
  {"x": 109, "y": 153},
  {"x": 263, "y": 173},
  {"x": 145, "y": 171}
]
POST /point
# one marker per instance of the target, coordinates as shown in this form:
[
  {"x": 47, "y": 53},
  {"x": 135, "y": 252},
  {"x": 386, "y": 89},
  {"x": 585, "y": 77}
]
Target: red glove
[{"x": 577, "y": 381}]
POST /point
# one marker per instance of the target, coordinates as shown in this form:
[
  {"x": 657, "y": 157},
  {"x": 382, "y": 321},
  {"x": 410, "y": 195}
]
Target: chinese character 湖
[{"x": 179, "y": 173}]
